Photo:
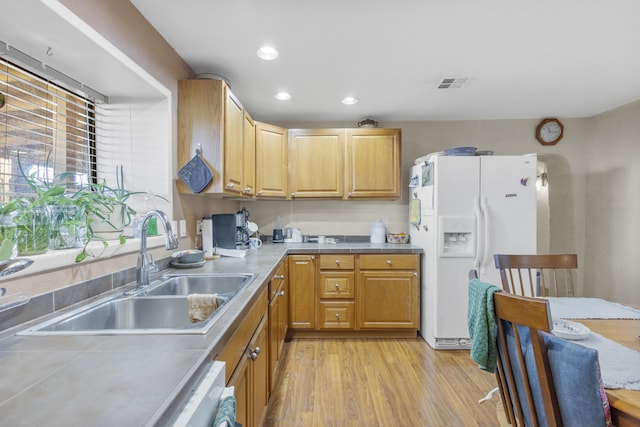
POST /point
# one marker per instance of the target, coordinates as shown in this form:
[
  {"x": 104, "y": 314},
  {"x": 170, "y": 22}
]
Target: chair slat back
[
  {"x": 526, "y": 386},
  {"x": 537, "y": 275}
]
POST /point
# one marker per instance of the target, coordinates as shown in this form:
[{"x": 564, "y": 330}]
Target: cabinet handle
[
  {"x": 338, "y": 262},
  {"x": 230, "y": 185},
  {"x": 254, "y": 354},
  {"x": 313, "y": 257},
  {"x": 388, "y": 262},
  {"x": 281, "y": 293},
  {"x": 415, "y": 274},
  {"x": 259, "y": 193},
  {"x": 337, "y": 316},
  {"x": 293, "y": 194},
  {"x": 349, "y": 195},
  {"x": 281, "y": 277},
  {"x": 247, "y": 190},
  {"x": 337, "y": 286}
]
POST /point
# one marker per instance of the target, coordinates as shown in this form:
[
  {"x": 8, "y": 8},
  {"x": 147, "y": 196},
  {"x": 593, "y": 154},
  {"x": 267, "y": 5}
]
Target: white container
[{"x": 378, "y": 232}]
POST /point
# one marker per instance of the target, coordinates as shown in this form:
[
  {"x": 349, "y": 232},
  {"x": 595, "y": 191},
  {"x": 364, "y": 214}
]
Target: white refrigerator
[{"x": 464, "y": 209}]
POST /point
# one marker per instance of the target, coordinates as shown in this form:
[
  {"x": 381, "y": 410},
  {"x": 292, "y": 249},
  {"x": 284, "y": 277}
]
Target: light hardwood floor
[{"x": 378, "y": 382}]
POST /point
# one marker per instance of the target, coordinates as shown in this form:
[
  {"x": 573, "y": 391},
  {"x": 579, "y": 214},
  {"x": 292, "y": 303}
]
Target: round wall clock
[{"x": 549, "y": 131}]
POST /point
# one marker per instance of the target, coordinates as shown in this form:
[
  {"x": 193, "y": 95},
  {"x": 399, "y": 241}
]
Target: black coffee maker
[{"x": 242, "y": 232}]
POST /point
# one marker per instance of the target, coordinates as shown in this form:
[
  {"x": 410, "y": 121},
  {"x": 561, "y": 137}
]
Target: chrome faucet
[{"x": 146, "y": 266}]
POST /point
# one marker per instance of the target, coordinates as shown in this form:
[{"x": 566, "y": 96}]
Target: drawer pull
[
  {"x": 388, "y": 262},
  {"x": 254, "y": 354},
  {"x": 337, "y": 262},
  {"x": 281, "y": 277},
  {"x": 337, "y": 316},
  {"x": 337, "y": 286},
  {"x": 230, "y": 185}
]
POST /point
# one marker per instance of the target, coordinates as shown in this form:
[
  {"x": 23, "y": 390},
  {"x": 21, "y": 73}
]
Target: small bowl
[
  {"x": 188, "y": 256},
  {"x": 397, "y": 238}
]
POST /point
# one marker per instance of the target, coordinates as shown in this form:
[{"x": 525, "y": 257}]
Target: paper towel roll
[{"x": 207, "y": 236}]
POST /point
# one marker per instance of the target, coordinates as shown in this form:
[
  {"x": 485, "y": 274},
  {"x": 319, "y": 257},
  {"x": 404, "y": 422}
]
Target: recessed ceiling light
[
  {"x": 267, "y": 53},
  {"x": 282, "y": 96},
  {"x": 350, "y": 100}
]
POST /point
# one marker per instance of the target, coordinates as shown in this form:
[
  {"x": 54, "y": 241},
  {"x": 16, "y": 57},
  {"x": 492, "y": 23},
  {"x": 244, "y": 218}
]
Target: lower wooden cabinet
[
  {"x": 278, "y": 319},
  {"x": 302, "y": 291},
  {"x": 348, "y": 293},
  {"x": 250, "y": 380},
  {"x": 387, "y": 289},
  {"x": 247, "y": 364}
]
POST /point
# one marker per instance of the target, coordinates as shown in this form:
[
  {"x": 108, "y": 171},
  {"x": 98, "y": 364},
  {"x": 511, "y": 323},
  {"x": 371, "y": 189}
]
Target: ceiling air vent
[{"x": 455, "y": 83}]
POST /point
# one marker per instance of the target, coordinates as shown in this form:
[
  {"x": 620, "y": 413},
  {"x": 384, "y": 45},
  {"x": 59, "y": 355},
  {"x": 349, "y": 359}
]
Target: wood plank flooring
[{"x": 378, "y": 382}]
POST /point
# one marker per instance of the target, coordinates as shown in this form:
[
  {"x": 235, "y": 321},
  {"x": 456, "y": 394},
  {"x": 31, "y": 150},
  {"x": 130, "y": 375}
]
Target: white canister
[{"x": 378, "y": 232}]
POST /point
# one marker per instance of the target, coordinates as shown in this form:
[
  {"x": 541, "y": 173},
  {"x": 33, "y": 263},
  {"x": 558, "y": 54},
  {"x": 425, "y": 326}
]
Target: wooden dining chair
[
  {"x": 537, "y": 275},
  {"x": 544, "y": 380}
]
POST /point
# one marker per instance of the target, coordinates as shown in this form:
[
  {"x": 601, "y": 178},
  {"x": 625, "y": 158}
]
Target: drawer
[
  {"x": 337, "y": 315},
  {"x": 389, "y": 262},
  {"x": 337, "y": 262},
  {"x": 337, "y": 284}
]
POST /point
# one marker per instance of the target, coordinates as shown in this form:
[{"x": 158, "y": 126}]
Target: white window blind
[{"x": 38, "y": 121}]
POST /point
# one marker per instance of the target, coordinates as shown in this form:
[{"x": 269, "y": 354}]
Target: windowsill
[{"x": 65, "y": 258}]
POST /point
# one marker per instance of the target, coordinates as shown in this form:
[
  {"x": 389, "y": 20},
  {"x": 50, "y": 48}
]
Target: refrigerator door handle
[
  {"x": 487, "y": 244},
  {"x": 479, "y": 223}
]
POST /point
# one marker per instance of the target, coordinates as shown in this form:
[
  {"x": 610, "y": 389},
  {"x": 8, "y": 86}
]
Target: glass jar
[
  {"x": 8, "y": 233},
  {"x": 32, "y": 230},
  {"x": 68, "y": 227}
]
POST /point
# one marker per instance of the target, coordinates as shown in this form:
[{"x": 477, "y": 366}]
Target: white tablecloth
[{"x": 589, "y": 308}]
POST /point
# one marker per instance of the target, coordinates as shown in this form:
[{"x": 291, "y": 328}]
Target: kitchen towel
[
  {"x": 196, "y": 175},
  {"x": 201, "y": 306},
  {"x": 226, "y": 416},
  {"x": 589, "y": 308},
  {"x": 482, "y": 324}
]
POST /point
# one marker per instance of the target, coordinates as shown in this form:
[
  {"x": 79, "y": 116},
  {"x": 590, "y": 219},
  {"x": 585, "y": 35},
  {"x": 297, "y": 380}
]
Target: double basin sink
[{"x": 160, "y": 308}]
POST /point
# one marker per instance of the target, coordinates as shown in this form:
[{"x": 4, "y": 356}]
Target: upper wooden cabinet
[
  {"x": 249, "y": 154},
  {"x": 271, "y": 161},
  {"x": 210, "y": 116},
  {"x": 373, "y": 163},
  {"x": 316, "y": 158}
]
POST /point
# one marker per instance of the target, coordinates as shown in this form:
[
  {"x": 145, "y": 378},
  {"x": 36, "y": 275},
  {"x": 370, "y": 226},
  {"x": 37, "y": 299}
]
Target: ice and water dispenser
[{"x": 457, "y": 236}]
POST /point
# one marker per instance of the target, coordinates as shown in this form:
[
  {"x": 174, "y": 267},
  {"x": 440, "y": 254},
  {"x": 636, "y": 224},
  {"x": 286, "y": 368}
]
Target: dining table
[
  {"x": 617, "y": 323},
  {"x": 625, "y": 404}
]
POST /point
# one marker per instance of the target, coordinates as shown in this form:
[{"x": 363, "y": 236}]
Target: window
[{"x": 51, "y": 130}]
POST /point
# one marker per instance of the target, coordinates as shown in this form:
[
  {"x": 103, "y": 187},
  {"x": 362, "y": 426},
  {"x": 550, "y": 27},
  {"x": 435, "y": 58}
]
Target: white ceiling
[{"x": 524, "y": 59}]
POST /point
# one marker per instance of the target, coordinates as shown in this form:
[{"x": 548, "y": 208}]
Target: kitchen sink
[
  {"x": 160, "y": 309},
  {"x": 223, "y": 284}
]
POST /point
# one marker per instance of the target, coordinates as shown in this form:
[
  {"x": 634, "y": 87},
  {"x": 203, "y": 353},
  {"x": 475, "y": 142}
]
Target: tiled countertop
[{"x": 131, "y": 380}]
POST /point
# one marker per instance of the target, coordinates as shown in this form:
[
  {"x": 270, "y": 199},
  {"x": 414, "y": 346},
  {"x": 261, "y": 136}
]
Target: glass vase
[
  {"x": 8, "y": 235},
  {"x": 68, "y": 227},
  {"x": 32, "y": 231}
]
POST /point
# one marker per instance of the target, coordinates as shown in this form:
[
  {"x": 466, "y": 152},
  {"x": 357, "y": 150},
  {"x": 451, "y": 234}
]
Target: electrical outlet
[
  {"x": 174, "y": 227},
  {"x": 199, "y": 227},
  {"x": 183, "y": 228}
]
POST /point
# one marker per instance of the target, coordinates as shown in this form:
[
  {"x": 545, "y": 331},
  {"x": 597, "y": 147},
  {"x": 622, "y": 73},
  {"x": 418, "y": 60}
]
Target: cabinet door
[
  {"x": 200, "y": 124},
  {"x": 259, "y": 370},
  {"x": 233, "y": 142},
  {"x": 271, "y": 161},
  {"x": 249, "y": 154},
  {"x": 316, "y": 163},
  {"x": 277, "y": 324},
  {"x": 387, "y": 300},
  {"x": 373, "y": 163},
  {"x": 241, "y": 382},
  {"x": 302, "y": 292}
]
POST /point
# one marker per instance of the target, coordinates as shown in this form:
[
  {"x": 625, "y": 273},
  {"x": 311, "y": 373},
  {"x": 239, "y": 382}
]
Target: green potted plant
[{"x": 53, "y": 208}]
